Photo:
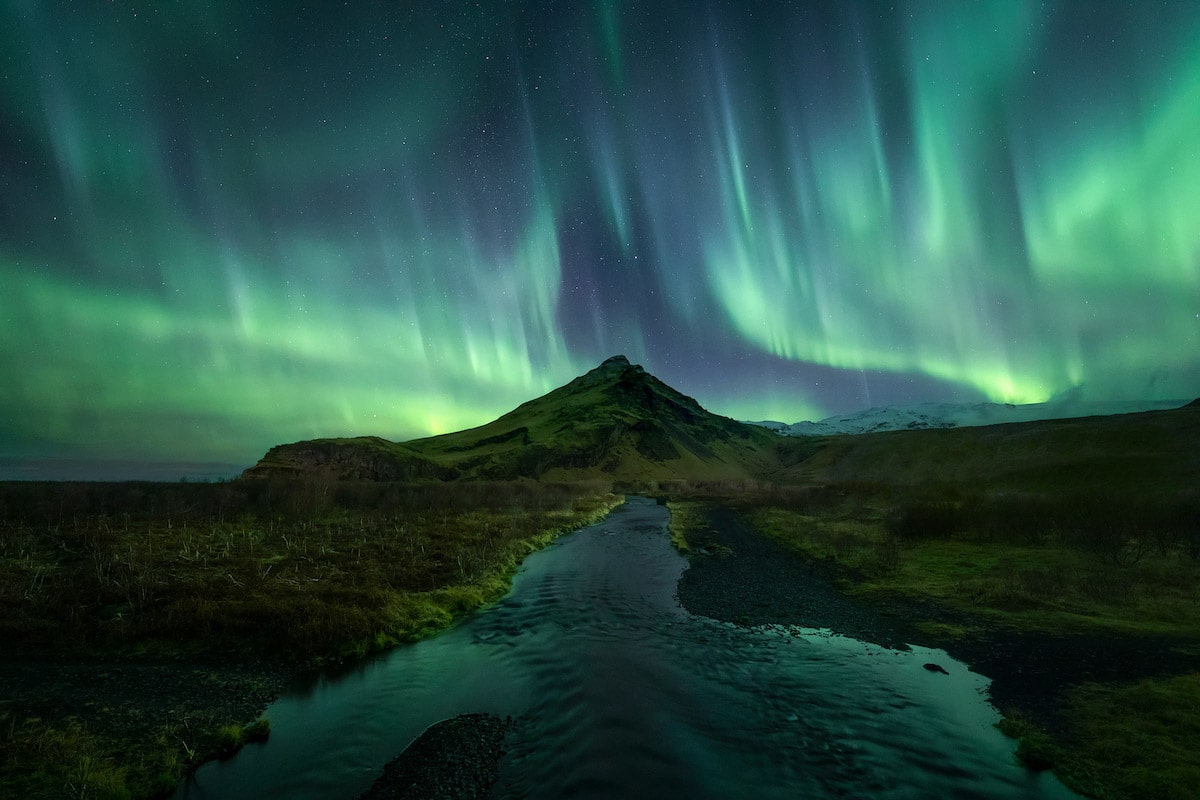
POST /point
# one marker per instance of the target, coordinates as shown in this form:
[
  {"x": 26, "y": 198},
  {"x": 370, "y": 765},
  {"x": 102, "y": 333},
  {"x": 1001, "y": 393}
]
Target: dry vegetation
[
  {"x": 304, "y": 569},
  {"x": 282, "y": 571}
]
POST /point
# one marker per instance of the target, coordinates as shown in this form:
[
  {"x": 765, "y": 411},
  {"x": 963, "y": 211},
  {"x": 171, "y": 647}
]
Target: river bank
[
  {"x": 740, "y": 575},
  {"x": 620, "y": 692},
  {"x": 743, "y": 577},
  {"x": 147, "y": 625}
]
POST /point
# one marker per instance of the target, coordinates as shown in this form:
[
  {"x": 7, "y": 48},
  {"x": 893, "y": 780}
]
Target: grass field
[{"x": 287, "y": 572}]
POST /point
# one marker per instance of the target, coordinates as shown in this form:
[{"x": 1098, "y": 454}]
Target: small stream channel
[{"x": 624, "y": 694}]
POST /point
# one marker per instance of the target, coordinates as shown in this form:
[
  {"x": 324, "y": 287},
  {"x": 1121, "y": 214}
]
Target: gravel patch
[
  {"x": 746, "y": 578},
  {"x": 456, "y": 759}
]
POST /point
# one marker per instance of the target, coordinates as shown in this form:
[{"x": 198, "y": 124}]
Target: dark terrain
[{"x": 746, "y": 578}]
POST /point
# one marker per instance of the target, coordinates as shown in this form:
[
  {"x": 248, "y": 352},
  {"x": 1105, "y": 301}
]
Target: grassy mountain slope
[
  {"x": 616, "y": 421},
  {"x": 1152, "y": 450}
]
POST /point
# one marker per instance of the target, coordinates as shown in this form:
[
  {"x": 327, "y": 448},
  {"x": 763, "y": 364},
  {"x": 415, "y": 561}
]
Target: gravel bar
[
  {"x": 746, "y": 578},
  {"x": 456, "y": 759}
]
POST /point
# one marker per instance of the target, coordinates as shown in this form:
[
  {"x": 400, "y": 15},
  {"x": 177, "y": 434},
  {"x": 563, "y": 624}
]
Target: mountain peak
[
  {"x": 611, "y": 369},
  {"x": 615, "y": 361},
  {"x": 617, "y": 420}
]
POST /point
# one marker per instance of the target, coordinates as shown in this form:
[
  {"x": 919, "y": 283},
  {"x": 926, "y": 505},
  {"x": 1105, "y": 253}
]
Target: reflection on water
[{"x": 624, "y": 694}]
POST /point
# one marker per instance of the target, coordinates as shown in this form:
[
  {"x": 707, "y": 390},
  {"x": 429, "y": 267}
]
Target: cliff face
[{"x": 616, "y": 420}]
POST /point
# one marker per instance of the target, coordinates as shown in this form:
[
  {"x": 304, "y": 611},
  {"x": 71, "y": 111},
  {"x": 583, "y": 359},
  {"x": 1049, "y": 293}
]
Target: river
[{"x": 623, "y": 694}]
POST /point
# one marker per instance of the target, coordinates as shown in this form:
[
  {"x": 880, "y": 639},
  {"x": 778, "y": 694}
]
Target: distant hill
[
  {"x": 923, "y": 416},
  {"x": 1153, "y": 451},
  {"x": 616, "y": 421}
]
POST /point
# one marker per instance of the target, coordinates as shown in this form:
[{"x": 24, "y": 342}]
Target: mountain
[
  {"x": 925, "y": 416},
  {"x": 619, "y": 422},
  {"x": 1153, "y": 451},
  {"x": 616, "y": 421}
]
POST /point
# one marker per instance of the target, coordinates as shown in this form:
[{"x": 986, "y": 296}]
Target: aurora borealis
[{"x": 225, "y": 226}]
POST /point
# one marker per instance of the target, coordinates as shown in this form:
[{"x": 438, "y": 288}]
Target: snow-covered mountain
[{"x": 954, "y": 415}]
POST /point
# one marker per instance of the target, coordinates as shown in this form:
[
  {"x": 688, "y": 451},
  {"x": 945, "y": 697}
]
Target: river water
[{"x": 623, "y": 694}]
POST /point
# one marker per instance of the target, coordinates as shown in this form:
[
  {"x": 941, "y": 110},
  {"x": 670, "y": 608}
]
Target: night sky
[{"x": 227, "y": 225}]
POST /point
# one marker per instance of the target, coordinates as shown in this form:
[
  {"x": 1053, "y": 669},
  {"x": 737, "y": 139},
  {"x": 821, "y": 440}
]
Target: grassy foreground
[
  {"x": 249, "y": 572},
  {"x": 1063, "y": 563}
]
